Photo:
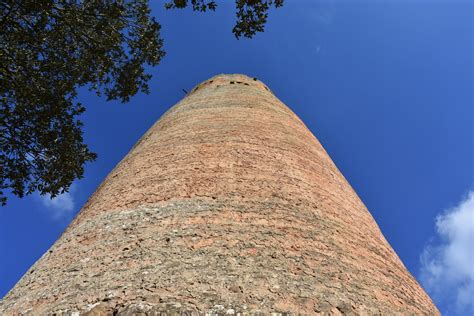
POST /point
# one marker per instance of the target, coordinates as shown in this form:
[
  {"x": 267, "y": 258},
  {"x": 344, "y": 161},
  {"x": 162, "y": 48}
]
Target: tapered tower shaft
[{"x": 228, "y": 203}]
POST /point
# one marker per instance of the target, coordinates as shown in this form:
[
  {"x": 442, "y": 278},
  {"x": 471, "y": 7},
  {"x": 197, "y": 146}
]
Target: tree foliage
[
  {"x": 251, "y": 14},
  {"x": 50, "y": 48}
]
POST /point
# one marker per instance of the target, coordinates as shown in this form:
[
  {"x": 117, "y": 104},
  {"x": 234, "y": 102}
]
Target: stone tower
[{"x": 227, "y": 204}]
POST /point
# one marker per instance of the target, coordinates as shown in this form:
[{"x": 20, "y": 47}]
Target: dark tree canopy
[
  {"x": 251, "y": 14},
  {"x": 50, "y": 48},
  {"x": 47, "y": 50}
]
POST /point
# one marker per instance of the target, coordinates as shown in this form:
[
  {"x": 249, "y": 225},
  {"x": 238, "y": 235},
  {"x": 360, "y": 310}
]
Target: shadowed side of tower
[{"x": 228, "y": 203}]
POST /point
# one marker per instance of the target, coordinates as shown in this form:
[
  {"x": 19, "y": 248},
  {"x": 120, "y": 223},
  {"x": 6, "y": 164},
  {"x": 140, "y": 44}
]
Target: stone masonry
[{"x": 227, "y": 205}]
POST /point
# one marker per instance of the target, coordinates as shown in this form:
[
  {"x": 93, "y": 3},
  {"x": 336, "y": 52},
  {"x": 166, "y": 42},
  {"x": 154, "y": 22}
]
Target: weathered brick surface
[{"x": 228, "y": 204}]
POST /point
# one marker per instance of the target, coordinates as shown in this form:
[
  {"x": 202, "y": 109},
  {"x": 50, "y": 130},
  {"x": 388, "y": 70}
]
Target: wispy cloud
[
  {"x": 61, "y": 206},
  {"x": 447, "y": 266},
  {"x": 324, "y": 12}
]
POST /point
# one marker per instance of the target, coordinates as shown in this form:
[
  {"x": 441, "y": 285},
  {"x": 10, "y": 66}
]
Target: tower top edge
[
  {"x": 232, "y": 76},
  {"x": 222, "y": 79}
]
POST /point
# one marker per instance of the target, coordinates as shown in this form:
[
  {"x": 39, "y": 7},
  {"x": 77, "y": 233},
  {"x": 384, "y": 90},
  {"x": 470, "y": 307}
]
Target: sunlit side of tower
[{"x": 227, "y": 204}]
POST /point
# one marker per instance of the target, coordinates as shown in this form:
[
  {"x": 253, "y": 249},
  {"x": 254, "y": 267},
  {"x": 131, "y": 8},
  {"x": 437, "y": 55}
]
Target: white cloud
[
  {"x": 447, "y": 267},
  {"x": 61, "y": 206}
]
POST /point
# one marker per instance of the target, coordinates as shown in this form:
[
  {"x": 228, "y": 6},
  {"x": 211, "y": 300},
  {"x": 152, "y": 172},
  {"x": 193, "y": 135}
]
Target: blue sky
[{"x": 386, "y": 86}]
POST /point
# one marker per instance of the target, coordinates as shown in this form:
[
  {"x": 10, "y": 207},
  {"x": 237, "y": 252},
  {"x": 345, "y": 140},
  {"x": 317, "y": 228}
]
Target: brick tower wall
[{"x": 227, "y": 204}]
